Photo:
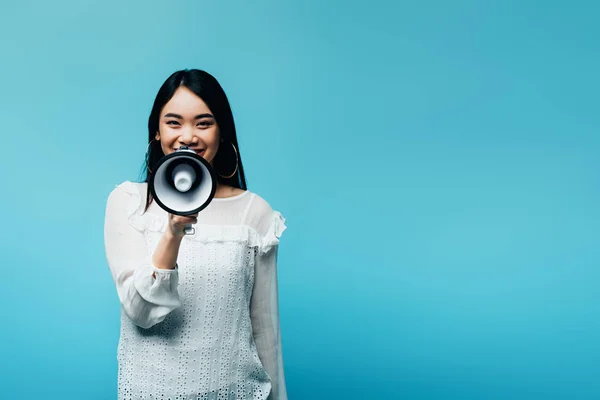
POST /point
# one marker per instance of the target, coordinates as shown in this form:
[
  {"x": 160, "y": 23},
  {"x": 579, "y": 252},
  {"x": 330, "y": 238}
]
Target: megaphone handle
[{"x": 189, "y": 230}]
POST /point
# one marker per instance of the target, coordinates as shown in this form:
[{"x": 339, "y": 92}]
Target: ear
[{"x": 157, "y": 136}]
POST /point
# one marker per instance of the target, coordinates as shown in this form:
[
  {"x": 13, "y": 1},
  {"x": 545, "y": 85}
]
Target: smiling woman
[
  {"x": 200, "y": 314},
  {"x": 192, "y": 109}
]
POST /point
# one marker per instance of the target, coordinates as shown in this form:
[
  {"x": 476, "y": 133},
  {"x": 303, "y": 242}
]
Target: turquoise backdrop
[{"x": 436, "y": 161}]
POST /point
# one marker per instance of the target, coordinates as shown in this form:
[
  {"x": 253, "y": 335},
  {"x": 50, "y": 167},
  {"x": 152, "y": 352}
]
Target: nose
[{"x": 186, "y": 136}]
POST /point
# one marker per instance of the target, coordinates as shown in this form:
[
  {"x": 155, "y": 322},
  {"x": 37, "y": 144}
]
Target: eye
[
  {"x": 172, "y": 122},
  {"x": 204, "y": 123}
]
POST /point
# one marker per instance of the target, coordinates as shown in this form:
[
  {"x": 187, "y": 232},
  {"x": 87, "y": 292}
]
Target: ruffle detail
[
  {"x": 204, "y": 232},
  {"x": 272, "y": 236}
]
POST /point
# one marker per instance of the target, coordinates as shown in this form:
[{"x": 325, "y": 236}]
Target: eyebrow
[{"x": 172, "y": 115}]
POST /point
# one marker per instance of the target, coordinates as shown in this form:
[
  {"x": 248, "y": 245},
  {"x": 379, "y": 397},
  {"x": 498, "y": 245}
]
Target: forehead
[{"x": 186, "y": 103}]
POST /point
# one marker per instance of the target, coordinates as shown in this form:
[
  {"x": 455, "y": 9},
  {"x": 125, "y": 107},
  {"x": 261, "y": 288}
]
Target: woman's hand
[
  {"x": 177, "y": 223},
  {"x": 167, "y": 250}
]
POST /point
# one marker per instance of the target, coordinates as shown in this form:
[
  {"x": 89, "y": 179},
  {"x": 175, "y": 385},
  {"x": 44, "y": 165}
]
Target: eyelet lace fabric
[{"x": 208, "y": 329}]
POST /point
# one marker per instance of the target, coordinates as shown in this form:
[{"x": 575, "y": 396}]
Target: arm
[
  {"x": 264, "y": 313},
  {"x": 147, "y": 293}
]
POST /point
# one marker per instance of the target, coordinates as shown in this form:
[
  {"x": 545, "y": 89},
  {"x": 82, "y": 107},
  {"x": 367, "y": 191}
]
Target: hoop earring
[
  {"x": 236, "y": 163},
  {"x": 148, "y": 148}
]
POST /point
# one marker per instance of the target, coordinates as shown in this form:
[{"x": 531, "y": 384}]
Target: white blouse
[{"x": 208, "y": 329}]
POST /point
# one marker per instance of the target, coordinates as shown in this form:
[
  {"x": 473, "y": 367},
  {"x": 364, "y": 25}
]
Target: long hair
[{"x": 205, "y": 86}]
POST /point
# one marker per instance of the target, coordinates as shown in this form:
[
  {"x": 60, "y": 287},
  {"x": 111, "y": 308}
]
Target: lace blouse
[{"x": 208, "y": 329}]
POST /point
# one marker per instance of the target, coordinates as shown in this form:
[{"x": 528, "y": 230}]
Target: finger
[{"x": 186, "y": 220}]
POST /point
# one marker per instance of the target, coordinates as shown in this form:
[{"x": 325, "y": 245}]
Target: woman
[{"x": 199, "y": 315}]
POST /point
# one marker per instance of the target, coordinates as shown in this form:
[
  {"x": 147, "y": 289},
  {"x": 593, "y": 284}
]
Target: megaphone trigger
[{"x": 189, "y": 230}]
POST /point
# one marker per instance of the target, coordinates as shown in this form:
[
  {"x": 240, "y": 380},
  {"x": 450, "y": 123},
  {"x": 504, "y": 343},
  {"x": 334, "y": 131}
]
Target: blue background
[{"x": 437, "y": 163}]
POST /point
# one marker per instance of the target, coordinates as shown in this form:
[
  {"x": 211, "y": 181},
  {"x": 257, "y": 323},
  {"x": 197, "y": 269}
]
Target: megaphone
[{"x": 183, "y": 183}]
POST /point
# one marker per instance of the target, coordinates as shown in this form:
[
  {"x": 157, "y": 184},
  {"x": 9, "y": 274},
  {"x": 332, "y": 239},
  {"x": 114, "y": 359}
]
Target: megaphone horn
[{"x": 183, "y": 183}]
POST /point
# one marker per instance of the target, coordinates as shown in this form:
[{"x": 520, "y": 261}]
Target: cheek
[
  {"x": 213, "y": 140},
  {"x": 168, "y": 137},
  {"x": 167, "y": 145}
]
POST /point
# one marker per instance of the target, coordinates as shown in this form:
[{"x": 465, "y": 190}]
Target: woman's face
[{"x": 187, "y": 121}]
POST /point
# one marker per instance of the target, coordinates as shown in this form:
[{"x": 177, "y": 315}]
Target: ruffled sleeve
[
  {"x": 147, "y": 294},
  {"x": 271, "y": 238},
  {"x": 264, "y": 307}
]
